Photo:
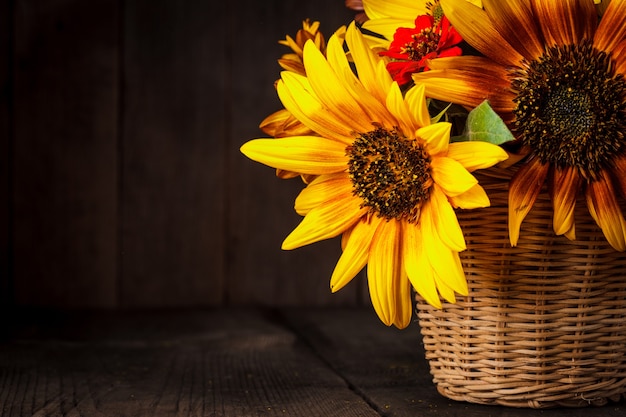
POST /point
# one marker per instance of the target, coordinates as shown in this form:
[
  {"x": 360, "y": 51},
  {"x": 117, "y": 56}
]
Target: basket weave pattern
[{"x": 545, "y": 322}]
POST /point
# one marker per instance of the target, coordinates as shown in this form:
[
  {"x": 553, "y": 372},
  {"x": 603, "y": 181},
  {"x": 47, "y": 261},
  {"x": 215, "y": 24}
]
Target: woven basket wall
[{"x": 545, "y": 322}]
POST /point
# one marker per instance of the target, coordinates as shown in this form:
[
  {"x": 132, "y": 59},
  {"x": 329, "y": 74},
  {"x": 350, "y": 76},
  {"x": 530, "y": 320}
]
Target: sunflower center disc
[
  {"x": 390, "y": 173},
  {"x": 569, "y": 114},
  {"x": 571, "y": 108}
]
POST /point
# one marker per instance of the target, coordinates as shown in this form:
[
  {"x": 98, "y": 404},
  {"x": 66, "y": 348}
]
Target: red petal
[{"x": 424, "y": 21}]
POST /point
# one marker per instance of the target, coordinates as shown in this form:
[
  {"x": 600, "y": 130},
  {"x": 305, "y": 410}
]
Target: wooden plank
[
  {"x": 387, "y": 366},
  {"x": 6, "y": 97},
  {"x": 173, "y": 150},
  {"x": 261, "y": 205},
  {"x": 65, "y": 152},
  {"x": 219, "y": 363}
]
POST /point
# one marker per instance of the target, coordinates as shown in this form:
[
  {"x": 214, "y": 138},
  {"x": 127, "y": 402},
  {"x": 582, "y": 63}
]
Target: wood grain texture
[
  {"x": 225, "y": 363},
  {"x": 65, "y": 152}
]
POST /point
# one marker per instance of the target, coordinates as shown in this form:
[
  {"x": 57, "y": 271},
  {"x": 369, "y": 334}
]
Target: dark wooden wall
[{"x": 122, "y": 181}]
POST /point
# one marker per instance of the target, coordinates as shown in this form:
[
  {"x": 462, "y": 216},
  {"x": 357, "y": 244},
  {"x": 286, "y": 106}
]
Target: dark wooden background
[{"x": 122, "y": 182}]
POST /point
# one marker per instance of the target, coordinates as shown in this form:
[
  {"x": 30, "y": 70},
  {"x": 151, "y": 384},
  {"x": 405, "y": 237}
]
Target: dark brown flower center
[
  {"x": 423, "y": 43},
  {"x": 390, "y": 173},
  {"x": 571, "y": 108},
  {"x": 569, "y": 113}
]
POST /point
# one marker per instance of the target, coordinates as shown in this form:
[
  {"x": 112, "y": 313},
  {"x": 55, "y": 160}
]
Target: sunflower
[
  {"x": 387, "y": 180},
  {"x": 555, "y": 74}
]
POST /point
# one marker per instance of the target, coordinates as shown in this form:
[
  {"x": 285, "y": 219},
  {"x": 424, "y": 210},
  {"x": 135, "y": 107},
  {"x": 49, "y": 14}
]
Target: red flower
[{"x": 411, "y": 48}]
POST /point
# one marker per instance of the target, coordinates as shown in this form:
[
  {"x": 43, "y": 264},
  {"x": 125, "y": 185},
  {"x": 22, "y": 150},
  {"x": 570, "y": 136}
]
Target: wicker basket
[{"x": 545, "y": 322}]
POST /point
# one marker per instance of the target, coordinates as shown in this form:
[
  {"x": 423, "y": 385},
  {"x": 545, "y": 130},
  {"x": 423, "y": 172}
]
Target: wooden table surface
[{"x": 226, "y": 362}]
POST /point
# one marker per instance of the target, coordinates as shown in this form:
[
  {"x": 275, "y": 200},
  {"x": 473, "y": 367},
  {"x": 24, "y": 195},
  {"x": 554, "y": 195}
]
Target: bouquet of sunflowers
[{"x": 388, "y": 119}]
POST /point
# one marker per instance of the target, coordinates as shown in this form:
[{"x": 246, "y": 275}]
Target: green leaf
[{"x": 484, "y": 124}]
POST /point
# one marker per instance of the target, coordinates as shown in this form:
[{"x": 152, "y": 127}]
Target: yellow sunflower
[
  {"x": 387, "y": 179},
  {"x": 556, "y": 75}
]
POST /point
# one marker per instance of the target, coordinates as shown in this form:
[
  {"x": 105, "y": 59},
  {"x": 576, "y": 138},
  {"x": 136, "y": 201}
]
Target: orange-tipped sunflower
[
  {"x": 386, "y": 178},
  {"x": 556, "y": 75}
]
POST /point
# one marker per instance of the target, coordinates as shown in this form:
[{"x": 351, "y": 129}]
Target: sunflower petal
[
  {"x": 376, "y": 9},
  {"x": 355, "y": 253},
  {"x": 323, "y": 189},
  {"x": 371, "y": 107},
  {"x": 605, "y": 209},
  {"x": 619, "y": 57},
  {"x": 513, "y": 19},
  {"x": 304, "y": 154},
  {"x": 336, "y": 54},
  {"x": 296, "y": 94},
  {"x": 565, "y": 22},
  {"x": 451, "y": 176},
  {"x": 398, "y": 107},
  {"x": 474, "y": 198},
  {"x": 447, "y": 266},
  {"x": 345, "y": 236},
  {"x": 416, "y": 100},
  {"x": 443, "y": 260},
  {"x": 404, "y": 300},
  {"x": 417, "y": 267},
  {"x": 386, "y": 27},
  {"x": 282, "y": 123},
  {"x": 524, "y": 188},
  {"x": 384, "y": 270},
  {"x": 330, "y": 90},
  {"x": 436, "y": 136},
  {"x": 461, "y": 85},
  {"x": 476, "y": 28},
  {"x": 619, "y": 177},
  {"x": 324, "y": 222},
  {"x": 476, "y": 155},
  {"x": 563, "y": 191},
  {"x": 439, "y": 220},
  {"x": 445, "y": 291},
  {"x": 366, "y": 63}
]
